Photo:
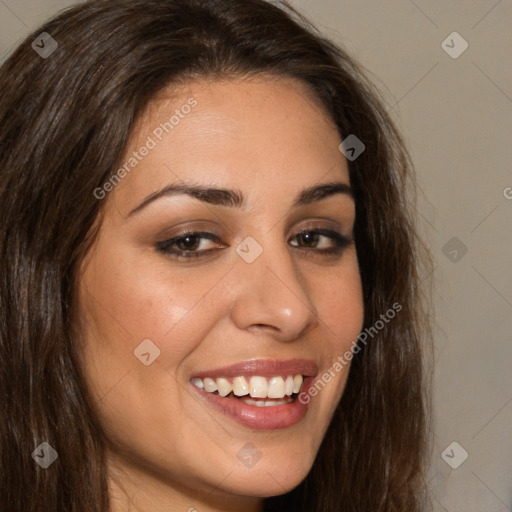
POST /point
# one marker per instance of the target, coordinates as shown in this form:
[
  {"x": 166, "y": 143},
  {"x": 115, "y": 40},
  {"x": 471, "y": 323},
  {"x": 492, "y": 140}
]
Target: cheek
[
  {"x": 340, "y": 305},
  {"x": 124, "y": 302},
  {"x": 123, "y": 305},
  {"x": 142, "y": 296},
  {"x": 341, "y": 309}
]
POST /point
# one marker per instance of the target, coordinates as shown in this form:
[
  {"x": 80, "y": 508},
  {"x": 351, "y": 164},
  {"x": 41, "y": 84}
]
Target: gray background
[{"x": 456, "y": 116}]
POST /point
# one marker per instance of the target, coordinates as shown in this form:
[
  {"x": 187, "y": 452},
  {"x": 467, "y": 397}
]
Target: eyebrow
[{"x": 235, "y": 199}]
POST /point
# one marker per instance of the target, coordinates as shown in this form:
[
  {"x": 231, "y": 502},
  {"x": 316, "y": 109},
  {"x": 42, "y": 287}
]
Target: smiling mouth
[
  {"x": 253, "y": 390},
  {"x": 261, "y": 394}
]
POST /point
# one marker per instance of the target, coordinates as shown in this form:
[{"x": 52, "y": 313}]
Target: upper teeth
[{"x": 256, "y": 386}]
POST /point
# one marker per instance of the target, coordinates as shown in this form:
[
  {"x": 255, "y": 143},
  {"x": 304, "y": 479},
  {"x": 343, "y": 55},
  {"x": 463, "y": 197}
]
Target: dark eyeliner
[
  {"x": 341, "y": 241},
  {"x": 165, "y": 245}
]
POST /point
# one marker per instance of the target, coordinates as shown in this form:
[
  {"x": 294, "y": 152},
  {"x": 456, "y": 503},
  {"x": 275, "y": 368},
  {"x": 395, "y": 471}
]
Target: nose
[{"x": 271, "y": 296}]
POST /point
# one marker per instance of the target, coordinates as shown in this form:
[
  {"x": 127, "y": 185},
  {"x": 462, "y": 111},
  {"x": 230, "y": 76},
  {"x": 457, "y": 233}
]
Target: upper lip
[{"x": 264, "y": 368}]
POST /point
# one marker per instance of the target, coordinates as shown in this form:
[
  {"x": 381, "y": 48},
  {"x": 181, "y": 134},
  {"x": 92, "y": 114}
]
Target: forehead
[{"x": 261, "y": 134}]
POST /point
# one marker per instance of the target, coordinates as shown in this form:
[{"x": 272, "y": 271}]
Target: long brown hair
[{"x": 65, "y": 121}]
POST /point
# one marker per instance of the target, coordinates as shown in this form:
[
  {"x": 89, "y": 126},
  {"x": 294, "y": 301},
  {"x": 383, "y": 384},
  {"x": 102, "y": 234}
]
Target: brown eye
[
  {"x": 187, "y": 244},
  {"x": 309, "y": 238},
  {"x": 322, "y": 241}
]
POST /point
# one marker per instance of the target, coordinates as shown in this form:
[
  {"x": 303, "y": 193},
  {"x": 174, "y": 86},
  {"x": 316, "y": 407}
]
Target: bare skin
[{"x": 269, "y": 139}]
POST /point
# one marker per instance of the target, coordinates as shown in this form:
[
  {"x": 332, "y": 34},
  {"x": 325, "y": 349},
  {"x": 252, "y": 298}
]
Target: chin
[{"x": 271, "y": 476}]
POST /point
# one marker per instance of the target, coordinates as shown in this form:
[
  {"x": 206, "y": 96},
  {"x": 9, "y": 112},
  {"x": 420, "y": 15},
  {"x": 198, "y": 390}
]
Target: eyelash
[{"x": 341, "y": 242}]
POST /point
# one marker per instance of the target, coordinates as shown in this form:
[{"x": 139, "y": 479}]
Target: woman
[{"x": 204, "y": 209}]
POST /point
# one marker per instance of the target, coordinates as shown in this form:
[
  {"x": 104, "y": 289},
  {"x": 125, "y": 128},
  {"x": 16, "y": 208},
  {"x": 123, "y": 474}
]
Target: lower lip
[{"x": 260, "y": 418}]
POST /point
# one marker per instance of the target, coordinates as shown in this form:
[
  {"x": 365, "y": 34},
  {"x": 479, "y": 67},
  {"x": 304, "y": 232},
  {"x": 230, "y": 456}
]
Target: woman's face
[{"x": 268, "y": 293}]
